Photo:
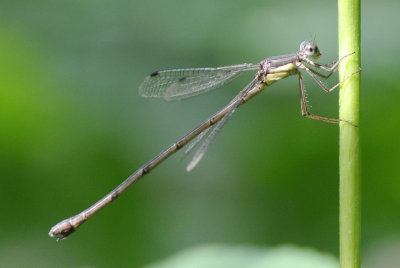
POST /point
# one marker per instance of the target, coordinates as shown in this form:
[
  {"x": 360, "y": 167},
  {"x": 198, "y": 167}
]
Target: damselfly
[{"x": 183, "y": 83}]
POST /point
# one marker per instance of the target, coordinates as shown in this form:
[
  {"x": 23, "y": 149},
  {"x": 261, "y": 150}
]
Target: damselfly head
[{"x": 310, "y": 49}]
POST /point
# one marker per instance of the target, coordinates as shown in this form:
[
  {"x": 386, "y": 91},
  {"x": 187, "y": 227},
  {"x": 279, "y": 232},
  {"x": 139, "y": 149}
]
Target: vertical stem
[{"x": 349, "y": 156}]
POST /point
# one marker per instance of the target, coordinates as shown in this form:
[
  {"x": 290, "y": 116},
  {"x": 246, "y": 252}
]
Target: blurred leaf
[{"x": 222, "y": 256}]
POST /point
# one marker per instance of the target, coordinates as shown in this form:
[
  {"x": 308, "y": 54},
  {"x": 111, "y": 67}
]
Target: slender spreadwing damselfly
[{"x": 183, "y": 83}]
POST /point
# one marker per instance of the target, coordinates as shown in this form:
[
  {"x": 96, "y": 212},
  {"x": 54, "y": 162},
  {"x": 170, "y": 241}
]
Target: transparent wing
[
  {"x": 183, "y": 83},
  {"x": 196, "y": 141},
  {"x": 217, "y": 127},
  {"x": 208, "y": 140}
]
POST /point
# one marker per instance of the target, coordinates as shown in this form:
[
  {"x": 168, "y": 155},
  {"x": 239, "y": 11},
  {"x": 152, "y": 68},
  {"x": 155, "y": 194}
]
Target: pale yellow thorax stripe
[{"x": 280, "y": 73}]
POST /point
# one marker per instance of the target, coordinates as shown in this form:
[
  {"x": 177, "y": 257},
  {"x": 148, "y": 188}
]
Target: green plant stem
[{"x": 349, "y": 156}]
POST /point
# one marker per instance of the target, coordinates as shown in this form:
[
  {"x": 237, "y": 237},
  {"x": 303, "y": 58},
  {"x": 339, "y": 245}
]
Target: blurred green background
[{"x": 72, "y": 127}]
